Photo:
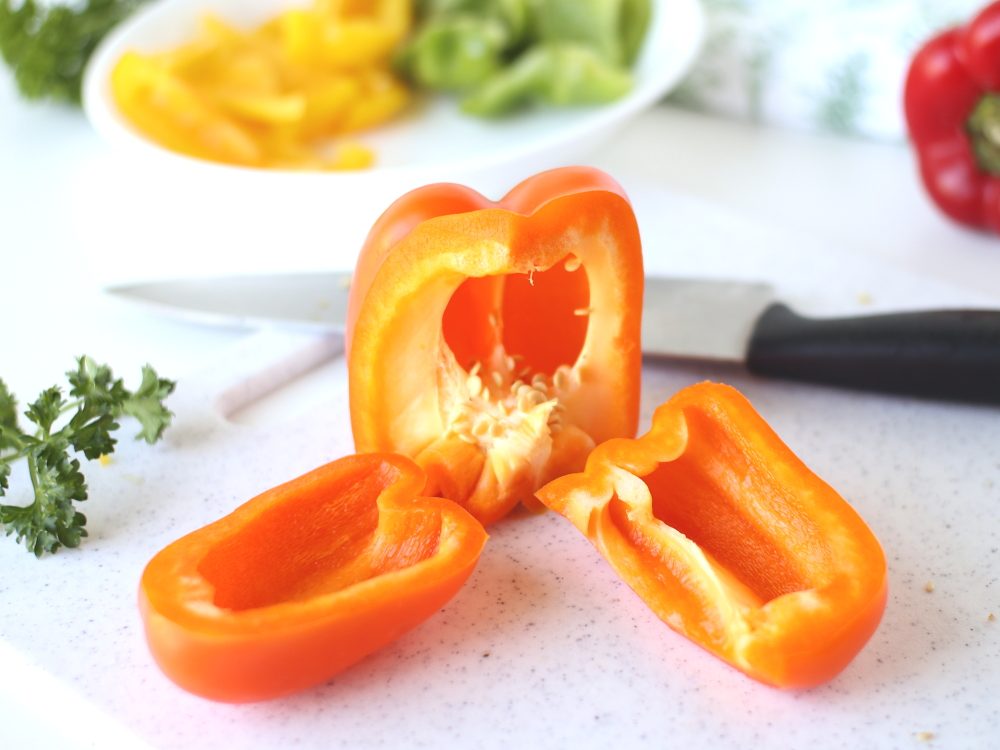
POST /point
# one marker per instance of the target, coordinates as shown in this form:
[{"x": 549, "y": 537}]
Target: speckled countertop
[{"x": 544, "y": 647}]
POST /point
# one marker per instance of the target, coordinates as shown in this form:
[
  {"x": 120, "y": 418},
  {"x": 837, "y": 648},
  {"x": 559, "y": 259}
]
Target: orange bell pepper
[
  {"x": 305, "y": 580},
  {"x": 497, "y": 343},
  {"x": 731, "y": 540}
]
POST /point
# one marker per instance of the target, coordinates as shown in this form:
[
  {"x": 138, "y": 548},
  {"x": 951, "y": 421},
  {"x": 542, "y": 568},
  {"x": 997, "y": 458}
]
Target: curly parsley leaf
[
  {"x": 146, "y": 405},
  {"x": 8, "y": 420},
  {"x": 102, "y": 398},
  {"x": 98, "y": 400},
  {"x": 48, "y": 45},
  {"x": 94, "y": 382},
  {"x": 45, "y": 410},
  {"x": 51, "y": 521}
]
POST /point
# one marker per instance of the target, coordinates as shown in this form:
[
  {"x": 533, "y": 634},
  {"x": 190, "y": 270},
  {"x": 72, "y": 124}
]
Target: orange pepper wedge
[
  {"x": 305, "y": 579},
  {"x": 731, "y": 540},
  {"x": 497, "y": 342}
]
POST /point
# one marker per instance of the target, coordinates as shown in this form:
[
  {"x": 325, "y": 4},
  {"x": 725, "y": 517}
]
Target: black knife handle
[{"x": 944, "y": 354}]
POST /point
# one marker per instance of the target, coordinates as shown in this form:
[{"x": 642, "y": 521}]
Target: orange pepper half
[
  {"x": 731, "y": 540},
  {"x": 497, "y": 343},
  {"x": 305, "y": 580}
]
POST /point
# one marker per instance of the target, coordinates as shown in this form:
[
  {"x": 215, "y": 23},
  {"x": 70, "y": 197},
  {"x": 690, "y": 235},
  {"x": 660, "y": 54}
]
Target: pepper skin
[
  {"x": 497, "y": 343},
  {"x": 952, "y": 110},
  {"x": 731, "y": 540},
  {"x": 306, "y": 579}
]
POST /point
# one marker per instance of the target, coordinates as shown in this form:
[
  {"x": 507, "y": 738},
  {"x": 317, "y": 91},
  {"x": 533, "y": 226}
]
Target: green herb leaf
[
  {"x": 146, "y": 405},
  {"x": 47, "y": 45},
  {"x": 46, "y": 409},
  {"x": 51, "y": 520},
  {"x": 101, "y": 399},
  {"x": 95, "y": 383},
  {"x": 93, "y": 438},
  {"x": 8, "y": 419}
]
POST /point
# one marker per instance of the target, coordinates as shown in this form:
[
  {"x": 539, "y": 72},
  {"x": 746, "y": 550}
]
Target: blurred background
[
  {"x": 785, "y": 112},
  {"x": 834, "y": 66}
]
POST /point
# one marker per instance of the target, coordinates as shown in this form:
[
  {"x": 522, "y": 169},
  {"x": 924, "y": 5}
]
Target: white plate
[
  {"x": 437, "y": 140},
  {"x": 436, "y": 143}
]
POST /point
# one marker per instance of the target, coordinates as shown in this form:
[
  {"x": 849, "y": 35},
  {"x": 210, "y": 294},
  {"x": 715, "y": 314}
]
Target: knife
[{"x": 944, "y": 354}]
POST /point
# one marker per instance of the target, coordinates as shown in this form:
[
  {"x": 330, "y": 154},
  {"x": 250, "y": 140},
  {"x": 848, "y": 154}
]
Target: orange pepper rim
[
  {"x": 269, "y": 565},
  {"x": 495, "y": 402}
]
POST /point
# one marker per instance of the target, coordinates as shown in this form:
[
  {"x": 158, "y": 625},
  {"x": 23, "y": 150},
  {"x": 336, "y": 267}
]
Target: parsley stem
[
  {"x": 33, "y": 473},
  {"x": 71, "y": 406}
]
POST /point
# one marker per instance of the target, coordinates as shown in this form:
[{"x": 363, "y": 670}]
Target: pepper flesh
[
  {"x": 306, "y": 579},
  {"x": 731, "y": 540},
  {"x": 497, "y": 343},
  {"x": 958, "y": 147}
]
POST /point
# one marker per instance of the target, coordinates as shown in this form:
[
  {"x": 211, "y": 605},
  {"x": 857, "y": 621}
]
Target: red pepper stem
[{"x": 983, "y": 127}]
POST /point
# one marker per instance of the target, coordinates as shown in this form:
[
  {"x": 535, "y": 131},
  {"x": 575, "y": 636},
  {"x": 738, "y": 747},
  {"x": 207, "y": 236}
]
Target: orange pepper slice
[
  {"x": 731, "y": 540},
  {"x": 497, "y": 343},
  {"x": 305, "y": 580}
]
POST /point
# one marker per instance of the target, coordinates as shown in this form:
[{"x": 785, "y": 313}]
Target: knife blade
[{"x": 943, "y": 354}]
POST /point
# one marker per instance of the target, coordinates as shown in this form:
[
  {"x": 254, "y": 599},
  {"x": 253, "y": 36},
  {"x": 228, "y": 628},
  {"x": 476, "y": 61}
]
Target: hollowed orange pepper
[
  {"x": 305, "y": 580},
  {"x": 731, "y": 540},
  {"x": 497, "y": 343}
]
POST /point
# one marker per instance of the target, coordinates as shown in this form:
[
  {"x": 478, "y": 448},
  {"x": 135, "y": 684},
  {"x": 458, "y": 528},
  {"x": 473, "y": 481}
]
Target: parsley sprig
[
  {"x": 48, "y": 44},
  {"x": 96, "y": 401}
]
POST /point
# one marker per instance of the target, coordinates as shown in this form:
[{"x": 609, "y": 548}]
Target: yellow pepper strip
[
  {"x": 356, "y": 45},
  {"x": 327, "y": 104},
  {"x": 352, "y": 155},
  {"x": 277, "y": 96},
  {"x": 288, "y": 108},
  {"x": 165, "y": 108},
  {"x": 384, "y": 97}
]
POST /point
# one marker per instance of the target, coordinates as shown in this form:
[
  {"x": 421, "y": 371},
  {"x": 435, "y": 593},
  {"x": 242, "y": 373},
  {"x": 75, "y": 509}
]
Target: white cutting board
[{"x": 544, "y": 647}]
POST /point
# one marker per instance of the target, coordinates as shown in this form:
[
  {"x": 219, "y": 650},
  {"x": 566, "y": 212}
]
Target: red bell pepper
[{"x": 952, "y": 102}]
